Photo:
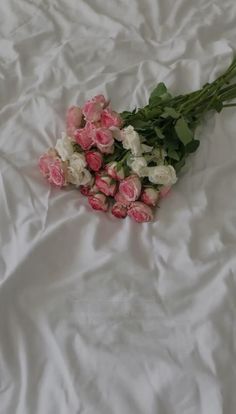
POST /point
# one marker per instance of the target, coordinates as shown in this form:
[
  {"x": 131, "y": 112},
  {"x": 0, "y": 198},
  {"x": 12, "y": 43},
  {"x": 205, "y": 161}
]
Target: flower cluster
[{"x": 111, "y": 164}]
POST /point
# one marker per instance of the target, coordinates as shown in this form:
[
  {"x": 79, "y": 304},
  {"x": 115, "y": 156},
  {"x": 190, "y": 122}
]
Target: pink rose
[
  {"x": 85, "y": 190},
  {"x": 105, "y": 184},
  {"x": 130, "y": 188},
  {"x": 98, "y": 202},
  {"x": 92, "y": 110},
  {"x": 101, "y": 100},
  {"x": 43, "y": 164},
  {"x": 103, "y": 139},
  {"x": 84, "y": 136},
  {"x": 164, "y": 191},
  {"x": 46, "y": 160},
  {"x": 115, "y": 171},
  {"x": 121, "y": 199},
  {"x": 140, "y": 212},
  {"x": 119, "y": 210},
  {"x": 110, "y": 118},
  {"x": 74, "y": 119},
  {"x": 94, "y": 160},
  {"x": 88, "y": 190},
  {"x": 150, "y": 196},
  {"x": 57, "y": 174}
]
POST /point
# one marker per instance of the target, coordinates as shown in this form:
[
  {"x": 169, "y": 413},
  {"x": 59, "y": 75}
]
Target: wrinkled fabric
[{"x": 99, "y": 315}]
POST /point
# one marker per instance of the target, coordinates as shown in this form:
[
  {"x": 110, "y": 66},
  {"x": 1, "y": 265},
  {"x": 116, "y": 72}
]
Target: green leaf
[
  {"x": 173, "y": 155},
  {"x": 159, "y": 133},
  {"x": 192, "y": 146},
  {"x": 218, "y": 106},
  {"x": 139, "y": 124},
  {"x": 179, "y": 165},
  {"x": 170, "y": 112},
  {"x": 157, "y": 94},
  {"x": 183, "y": 131}
]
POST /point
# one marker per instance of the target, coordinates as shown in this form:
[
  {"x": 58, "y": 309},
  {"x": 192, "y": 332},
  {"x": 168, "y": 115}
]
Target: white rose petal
[
  {"x": 162, "y": 174},
  {"x": 77, "y": 162},
  {"x": 116, "y": 133},
  {"x": 131, "y": 140},
  {"x": 146, "y": 148},
  {"x": 64, "y": 147},
  {"x": 138, "y": 166},
  {"x": 87, "y": 177},
  {"x": 79, "y": 178}
]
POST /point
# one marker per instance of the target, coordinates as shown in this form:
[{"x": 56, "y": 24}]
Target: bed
[{"x": 99, "y": 315}]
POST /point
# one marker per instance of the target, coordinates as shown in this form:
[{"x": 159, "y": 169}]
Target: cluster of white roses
[
  {"x": 160, "y": 174},
  {"x": 78, "y": 174}
]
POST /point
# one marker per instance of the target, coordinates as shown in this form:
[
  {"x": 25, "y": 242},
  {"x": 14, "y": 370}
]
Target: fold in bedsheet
[{"x": 99, "y": 315}]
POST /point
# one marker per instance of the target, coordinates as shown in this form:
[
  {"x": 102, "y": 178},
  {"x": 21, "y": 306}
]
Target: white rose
[
  {"x": 138, "y": 166},
  {"x": 162, "y": 174},
  {"x": 79, "y": 178},
  {"x": 64, "y": 147},
  {"x": 77, "y": 162},
  {"x": 131, "y": 140}
]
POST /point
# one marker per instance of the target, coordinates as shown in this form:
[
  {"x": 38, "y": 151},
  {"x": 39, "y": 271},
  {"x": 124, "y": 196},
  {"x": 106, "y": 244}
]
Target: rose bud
[
  {"x": 98, "y": 202},
  {"x": 140, "y": 212},
  {"x": 94, "y": 160},
  {"x": 114, "y": 171},
  {"x": 84, "y": 136},
  {"x": 150, "y": 196},
  {"x": 121, "y": 199},
  {"x": 106, "y": 184},
  {"x": 130, "y": 188},
  {"x": 110, "y": 119},
  {"x": 104, "y": 140},
  {"x": 119, "y": 210},
  {"x": 101, "y": 100},
  {"x": 92, "y": 110}
]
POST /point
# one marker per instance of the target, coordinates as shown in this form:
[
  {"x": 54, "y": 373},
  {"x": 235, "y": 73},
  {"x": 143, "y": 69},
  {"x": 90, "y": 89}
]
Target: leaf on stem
[
  {"x": 192, "y": 146},
  {"x": 183, "y": 131},
  {"x": 173, "y": 155},
  {"x": 170, "y": 112},
  {"x": 159, "y": 94}
]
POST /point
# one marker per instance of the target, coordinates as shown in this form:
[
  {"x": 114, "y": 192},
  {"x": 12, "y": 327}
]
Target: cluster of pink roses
[{"x": 79, "y": 158}]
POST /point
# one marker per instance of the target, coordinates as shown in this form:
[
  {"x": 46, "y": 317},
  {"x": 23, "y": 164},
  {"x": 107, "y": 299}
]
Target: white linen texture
[{"x": 97, "y": 315}]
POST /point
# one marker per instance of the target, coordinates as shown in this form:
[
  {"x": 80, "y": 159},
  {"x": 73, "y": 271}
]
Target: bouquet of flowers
[{"x": 129, "y": 161}]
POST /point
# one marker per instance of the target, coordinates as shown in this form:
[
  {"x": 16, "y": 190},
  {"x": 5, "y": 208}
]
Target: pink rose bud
[
  {"x": 94, "y": 160},
  {"x": 74, "y": 118},
  {"x": 101, "y": 100},
  {"x": 140, "y": 212},
  {"x": 103, "y": 139},
  {"x": 150, "y": 196},
  {"x": 130, "y": 188},
  {"x": 44, "y": 164},
  {"x": 115, "y": 171},
  {"x": 110, "y": 118},
  {"x": 98, "y": 202},
  {"x": 53, "y": 168},
  {"x": 85, "y": 190},
  {"x": 121, "y": 199},
  {"x": 105, "y": 184},
  {"x": 92, "y": 110},
  {"x": 84, "y": 136},
  {"x": 119, "y": 210},
  {"x": 57, "y": 174},
  {"x": 164, "y": 192}
]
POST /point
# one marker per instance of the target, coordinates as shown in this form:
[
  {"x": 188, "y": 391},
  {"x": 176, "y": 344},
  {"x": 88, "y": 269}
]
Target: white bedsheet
[{"x": 99, "y": 315}]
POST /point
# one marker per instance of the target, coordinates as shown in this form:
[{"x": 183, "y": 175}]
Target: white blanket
[{"x": 97, "y": 315}]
